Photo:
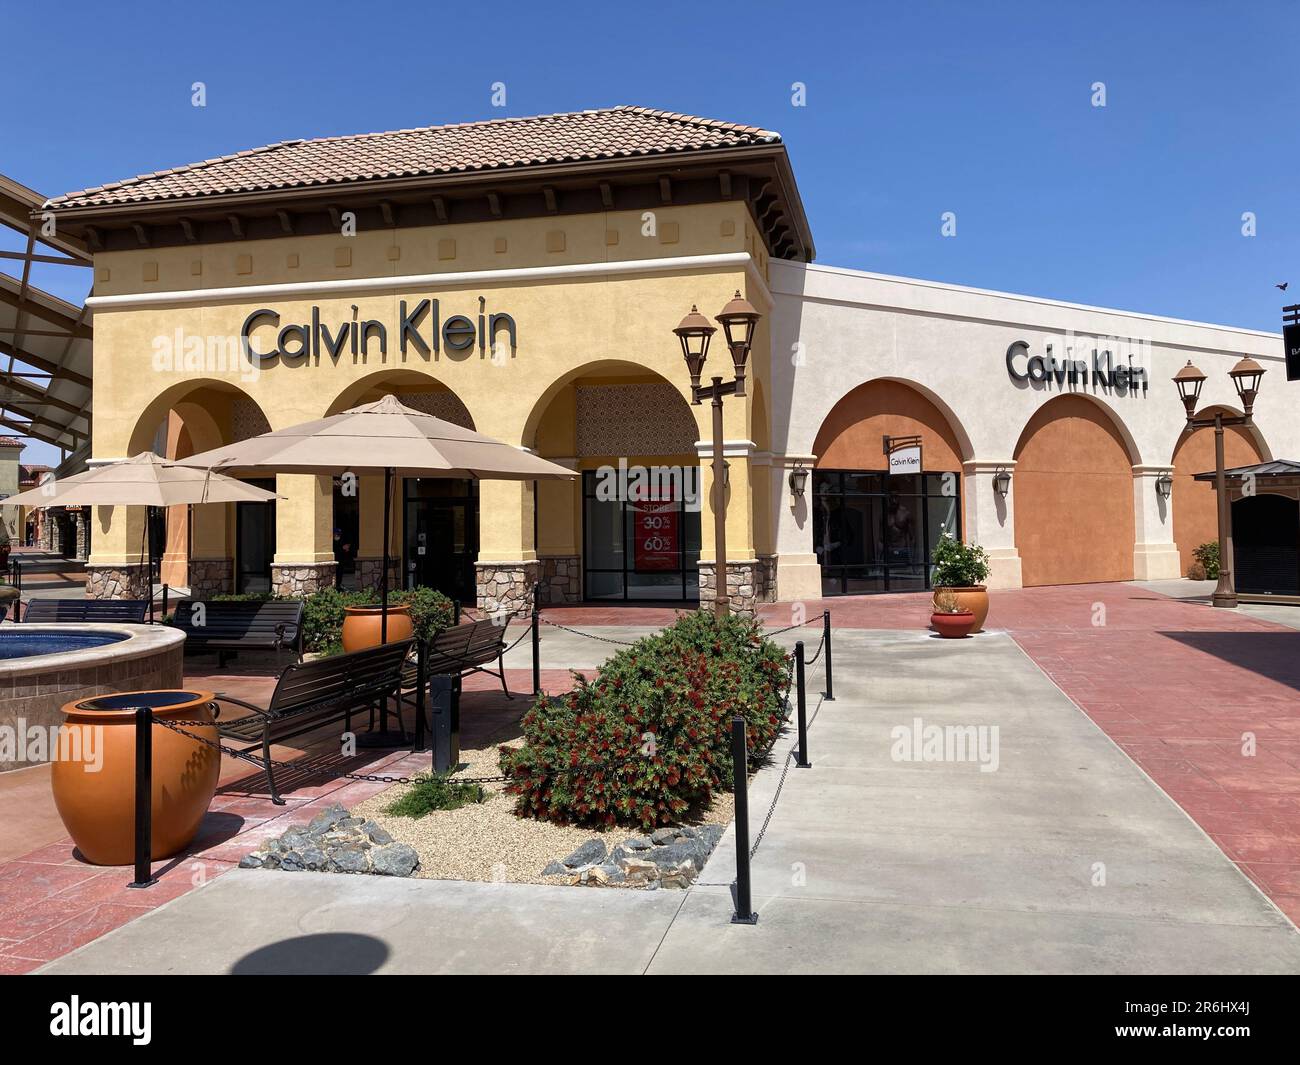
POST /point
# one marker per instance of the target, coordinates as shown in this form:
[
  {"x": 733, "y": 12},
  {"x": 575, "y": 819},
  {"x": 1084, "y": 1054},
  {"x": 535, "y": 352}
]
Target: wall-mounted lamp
[
  {"x": 798, "y": 480},
  {"x": 1164, "y": 486},
  {"x": 1002, "y": 483}
]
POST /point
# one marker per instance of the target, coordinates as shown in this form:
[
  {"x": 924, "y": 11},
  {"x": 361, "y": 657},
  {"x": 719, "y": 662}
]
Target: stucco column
[
  {"x": 743, "y": 578},
  {"x": 990, "y": 519},
  {"x": 507, "y": 569},
  {"x": 370, "y": 534},
  {"x": 1155, "y": 555},
  {"x": 304, "y": 546},
  {"x": 114, "y": 569},
  {"x": 211, "y": 566},
  {"x": 798, "y": 572},
  {"x": 559, "y": 535}
]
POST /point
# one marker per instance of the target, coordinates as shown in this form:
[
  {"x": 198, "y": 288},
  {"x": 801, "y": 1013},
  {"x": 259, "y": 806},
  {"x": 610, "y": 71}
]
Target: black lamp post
[
  {"x": 738, "y": 319},
  {"x": 1246, "y": 377}
]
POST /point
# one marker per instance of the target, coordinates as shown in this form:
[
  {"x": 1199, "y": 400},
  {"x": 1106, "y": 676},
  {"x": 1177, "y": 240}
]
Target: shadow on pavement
[
  {"x": 327, "y": 953},
  {"x": 1275, "y": 655}
]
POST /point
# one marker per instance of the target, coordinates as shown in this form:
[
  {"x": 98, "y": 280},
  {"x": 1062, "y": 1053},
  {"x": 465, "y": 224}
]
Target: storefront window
[
  {"x": 642, "y": 548},
  {"x": 440, "y": 535},
  {"x": 876, "y": 533}
]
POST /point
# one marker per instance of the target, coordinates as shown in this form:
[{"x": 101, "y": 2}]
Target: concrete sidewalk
[{"x": 1065, "y": 859}]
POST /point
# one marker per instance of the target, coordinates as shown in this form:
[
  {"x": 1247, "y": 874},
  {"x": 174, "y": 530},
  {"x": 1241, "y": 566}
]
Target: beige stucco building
[{"x": 523, "y": 277}]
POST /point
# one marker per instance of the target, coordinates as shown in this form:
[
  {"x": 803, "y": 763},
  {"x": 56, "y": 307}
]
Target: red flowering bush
[{"x": 650, "y": 737}]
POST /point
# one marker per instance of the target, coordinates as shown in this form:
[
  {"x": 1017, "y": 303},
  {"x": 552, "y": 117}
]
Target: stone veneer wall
[
  {"x": 297, "y": 580},
  {"x": 747, "y": 583},
  {"x": 506, "y": 586},
  {"x": 124, "y": 580},
  {"x": 37, "y": 699},
  {"x": 561, "y": 579},
  {"x": 765, "y": 579},
  {"x": 211, "y": 576},
  {"x": 368, "y": 571}
]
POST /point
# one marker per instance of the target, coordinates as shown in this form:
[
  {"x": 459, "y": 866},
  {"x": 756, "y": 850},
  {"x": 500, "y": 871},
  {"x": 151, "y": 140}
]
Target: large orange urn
[
  {"x": 94, "y": 774},
  {"x": 362, "y": 626},
  {"x": 974, "y": 598}
]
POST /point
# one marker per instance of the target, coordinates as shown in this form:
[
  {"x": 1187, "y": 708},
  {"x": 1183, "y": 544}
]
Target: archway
[
  {"x": 628, "y": 528},
  {"x": 875, "y": 530},
  {"x": 1195, "y": 509},
  {"x": 1073, "y": 486},
  {"x": 211, "y": 548},
  {"x": 433, "y": 522}
]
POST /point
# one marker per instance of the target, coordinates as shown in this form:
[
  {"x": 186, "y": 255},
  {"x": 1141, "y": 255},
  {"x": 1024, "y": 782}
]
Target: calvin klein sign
[
  {"x": 420, "y": 327},
  {"x": 1101, "y": 367}
]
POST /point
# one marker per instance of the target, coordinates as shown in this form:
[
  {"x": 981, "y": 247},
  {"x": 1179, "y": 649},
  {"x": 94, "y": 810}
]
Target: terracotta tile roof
[
  {"x": 11, "y": 441},
  {"x": 467, "y": 147}
]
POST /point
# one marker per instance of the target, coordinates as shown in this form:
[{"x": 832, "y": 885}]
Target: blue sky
[{"x": 984, "y": 110}]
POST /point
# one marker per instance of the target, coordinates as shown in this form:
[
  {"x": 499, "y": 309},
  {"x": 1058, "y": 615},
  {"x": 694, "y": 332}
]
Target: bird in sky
[{"x": 1283, "y": 285}]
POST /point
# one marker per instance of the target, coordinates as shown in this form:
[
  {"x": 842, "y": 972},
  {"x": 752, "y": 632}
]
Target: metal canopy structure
[{"x": 45, "y": 342}]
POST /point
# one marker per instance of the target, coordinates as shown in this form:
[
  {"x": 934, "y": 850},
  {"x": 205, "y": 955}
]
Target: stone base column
[
  {"x": 83, "y": 536},
  {"x": 297, "y": 580},
  {"x": 369, "y": 569},
  {"x": 119, "y": 580},
  {"x": 211, "y": 577},
  {"x": 506, "y": 587},
  {"x": 744, "y": 577},
  {"x": 561, "y": 577}
]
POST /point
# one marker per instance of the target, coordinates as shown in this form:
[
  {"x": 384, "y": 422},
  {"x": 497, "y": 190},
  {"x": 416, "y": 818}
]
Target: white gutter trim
[{"x": 357, "y": 285}]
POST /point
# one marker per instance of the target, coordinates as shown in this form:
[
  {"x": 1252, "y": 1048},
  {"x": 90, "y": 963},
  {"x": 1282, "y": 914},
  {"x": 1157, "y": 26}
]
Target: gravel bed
[{"x": 487, "y": 841}]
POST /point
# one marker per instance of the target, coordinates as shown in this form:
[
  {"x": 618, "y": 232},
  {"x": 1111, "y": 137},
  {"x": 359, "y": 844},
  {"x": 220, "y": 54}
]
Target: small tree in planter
[{"x": 961, "y": 570}]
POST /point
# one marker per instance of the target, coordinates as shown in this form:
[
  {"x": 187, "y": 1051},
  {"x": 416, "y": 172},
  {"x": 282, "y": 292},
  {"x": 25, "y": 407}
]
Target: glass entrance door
[
  {"x": 440, "y": 533},
  {"x": 255, "y": 542},
  {"x": 873, "y": 532}
]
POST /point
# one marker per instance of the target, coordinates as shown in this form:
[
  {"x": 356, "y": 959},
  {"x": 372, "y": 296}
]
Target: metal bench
[
  {"x": 83, "y": 611},
  {"x": 228, "y": 627},
  {"x": 462, "y": 649},
  {"x": 311, "y": 694}
]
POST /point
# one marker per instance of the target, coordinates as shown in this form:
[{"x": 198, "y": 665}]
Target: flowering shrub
[
  {"x": 649, "y": 738},
  {"x": 958, "y": 565}
]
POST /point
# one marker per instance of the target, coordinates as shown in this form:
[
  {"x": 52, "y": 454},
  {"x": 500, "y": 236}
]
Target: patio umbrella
[
  {"x": 146, "y": 480},
  {"x": 383, "y": 437}
]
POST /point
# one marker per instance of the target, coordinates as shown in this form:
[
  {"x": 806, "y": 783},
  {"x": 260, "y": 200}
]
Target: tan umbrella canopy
[
  {"x": 143, "y": 481},
  {"x": 146, "y": 480},
  {"x": 385, "y": 437}
]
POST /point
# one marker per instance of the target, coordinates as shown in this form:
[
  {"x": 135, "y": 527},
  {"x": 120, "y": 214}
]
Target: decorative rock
[
  {"x": 376, "y": 833},
  {"x": 394, "y": 859},
  {"x": 589, "y": 853},
  {"x": 326, "y": 819},
  {"x": 554, "y": 869},
  {"x": 637, "y": 843},
  {"x": 335, "y": 842},
  {"x": 661, "y": 836},
  {"x": 351, "y": 859}
]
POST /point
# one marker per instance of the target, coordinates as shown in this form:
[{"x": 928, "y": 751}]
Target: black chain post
[
  {"x": 826, "y": 636},
  {"x": 740, "y": 784},
  {"x": 421, "y": 683},
  {"x": 802, "y": 701},
  {"x": 537, "y": 641},
  {"x": 143, "y": 798}
]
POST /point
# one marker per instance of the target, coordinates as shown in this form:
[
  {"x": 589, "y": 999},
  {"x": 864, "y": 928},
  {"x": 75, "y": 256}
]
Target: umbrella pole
[{"x": 383, "y": 576}]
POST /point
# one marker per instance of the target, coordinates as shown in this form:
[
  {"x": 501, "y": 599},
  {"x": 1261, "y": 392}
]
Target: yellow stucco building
[{"x": 530, "y": 294}]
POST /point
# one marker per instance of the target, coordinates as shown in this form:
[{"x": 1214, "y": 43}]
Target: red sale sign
[{"x": 656, "y": 545}]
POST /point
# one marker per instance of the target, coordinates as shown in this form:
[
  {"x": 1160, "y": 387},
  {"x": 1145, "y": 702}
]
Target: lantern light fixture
[
  {"x": 1246, "y": 377},
  {"x": 1164, "y": 486},
  {"x": 799, "y": 481},
  {"x": 695, "y": 332},
  {"x": 1189, "y": 381},
  {"x": 1002, "y": 482},
  {"x": 738, "y": 320}
]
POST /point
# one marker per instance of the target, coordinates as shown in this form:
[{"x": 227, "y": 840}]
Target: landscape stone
[
  {"x": 638, "y": 843},
  {"x": 394, "y": 859},
  {"x": 661, "y": 836},
  {"x": 589, "y": 853},
  {"x": 376, "y": 833}
]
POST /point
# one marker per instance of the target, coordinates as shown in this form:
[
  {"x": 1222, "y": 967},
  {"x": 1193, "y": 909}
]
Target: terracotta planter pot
[
  {"x": 98, "y": 805},
  {"x": 362, "y": 625},
  {"x": 952, "y": 626},
  {"x": 975, "y": 599}
]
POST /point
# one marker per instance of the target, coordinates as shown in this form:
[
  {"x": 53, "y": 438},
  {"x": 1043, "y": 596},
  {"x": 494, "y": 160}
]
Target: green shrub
[
  {"x": 322, "y": 616},
  {"x": 1208, "y": 556},
  {"x": 587, "y": 756},
  {"x": 434, "y": 791},
  {"x": 958, "y": 565},
  {"x": 431, "y": 611}
]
